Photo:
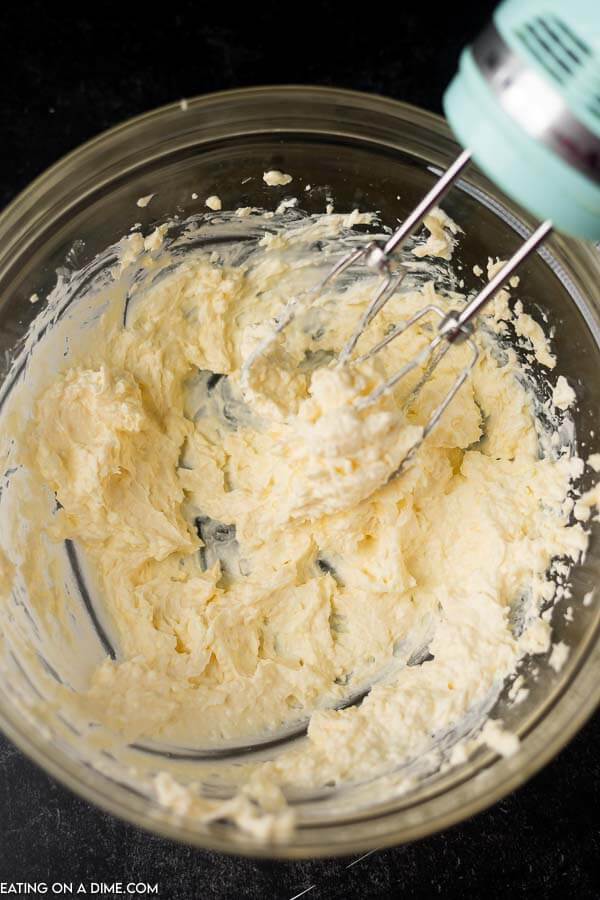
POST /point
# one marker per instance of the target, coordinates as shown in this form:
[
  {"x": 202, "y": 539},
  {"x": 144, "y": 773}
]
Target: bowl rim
[{"x": 70, "y": 774}]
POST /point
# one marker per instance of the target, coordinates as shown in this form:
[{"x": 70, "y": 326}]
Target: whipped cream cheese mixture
[{"x": 251, "y": 558}]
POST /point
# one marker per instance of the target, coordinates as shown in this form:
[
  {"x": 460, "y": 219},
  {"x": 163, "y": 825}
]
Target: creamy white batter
[{"x": 255, "y": 563}]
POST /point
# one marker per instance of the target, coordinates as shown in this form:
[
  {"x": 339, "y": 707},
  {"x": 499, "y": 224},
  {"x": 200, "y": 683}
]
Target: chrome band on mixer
[{"x": 534, "y": 104}]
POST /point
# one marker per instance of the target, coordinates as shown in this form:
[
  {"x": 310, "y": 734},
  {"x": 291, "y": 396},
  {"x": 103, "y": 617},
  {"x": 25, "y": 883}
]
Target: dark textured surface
[
  {"x": 64, "y": 78},
  {"x": 540, "y": 842}
]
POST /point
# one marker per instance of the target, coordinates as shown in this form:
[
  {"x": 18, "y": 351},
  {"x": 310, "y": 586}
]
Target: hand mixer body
[{"x": 526, "y": 101}]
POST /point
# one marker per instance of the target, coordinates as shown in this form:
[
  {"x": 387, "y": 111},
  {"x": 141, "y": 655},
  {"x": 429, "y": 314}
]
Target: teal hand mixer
[{"x": 526, "y": 103}]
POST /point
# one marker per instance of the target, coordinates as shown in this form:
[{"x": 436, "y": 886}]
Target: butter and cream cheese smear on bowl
[{"x": 256, "y": 578}]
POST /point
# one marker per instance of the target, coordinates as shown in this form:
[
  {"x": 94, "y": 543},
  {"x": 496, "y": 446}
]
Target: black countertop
[{"x": 67, "y": 74}]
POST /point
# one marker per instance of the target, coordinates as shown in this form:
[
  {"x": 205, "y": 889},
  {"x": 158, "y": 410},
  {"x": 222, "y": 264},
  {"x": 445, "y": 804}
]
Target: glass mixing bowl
[{"x": 371, "y": 153}]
